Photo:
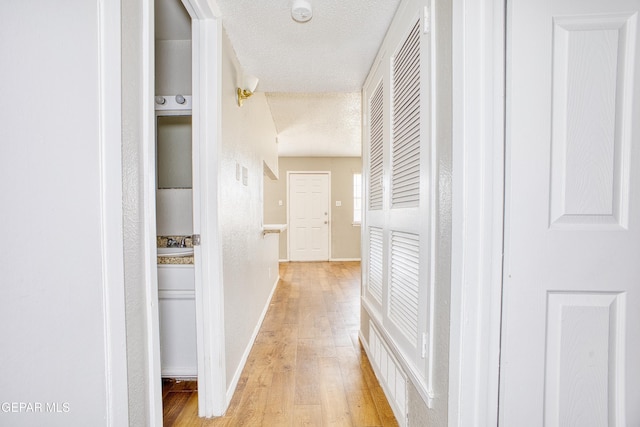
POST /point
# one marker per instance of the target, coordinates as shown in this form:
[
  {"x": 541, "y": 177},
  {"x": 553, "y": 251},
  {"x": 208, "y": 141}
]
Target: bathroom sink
[{"x": 175, "y": 252}]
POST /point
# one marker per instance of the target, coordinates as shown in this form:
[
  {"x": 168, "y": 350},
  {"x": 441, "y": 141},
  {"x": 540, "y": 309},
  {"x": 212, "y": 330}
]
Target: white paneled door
[
  {"x": 309, "y": 216},
  {"x": 571, "y": 310}
]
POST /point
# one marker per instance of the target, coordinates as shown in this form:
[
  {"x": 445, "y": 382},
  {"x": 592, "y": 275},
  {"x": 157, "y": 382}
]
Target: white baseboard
[
  {"x": 283, "y": 260},
  {"x": 180, "y": 373},
  {"x": 245, "y": 356},
  {"x": 396, "y": 392}
]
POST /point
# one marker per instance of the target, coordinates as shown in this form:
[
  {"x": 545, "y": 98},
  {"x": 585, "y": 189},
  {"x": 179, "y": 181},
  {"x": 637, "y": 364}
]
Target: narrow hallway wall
[{"x": 250, "y": 260}]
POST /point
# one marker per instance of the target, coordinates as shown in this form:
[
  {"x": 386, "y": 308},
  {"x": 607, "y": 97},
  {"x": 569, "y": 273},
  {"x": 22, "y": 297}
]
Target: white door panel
[
  {"x": 571, "y": 320},
  {"x": 63, "y": 359},
  {"x": 309, "y": 217}
]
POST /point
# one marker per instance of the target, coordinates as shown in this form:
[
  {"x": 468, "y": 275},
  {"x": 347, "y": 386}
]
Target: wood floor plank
[
  {"x": 185, "y": 418},
  {"x": 279, "y": 408},
  {"x": 173, "y": 405},
  {"x": 307, "y": 415},
  {"x": 307, "y": 367},
  {"x": 335, "y": 408},
  {"x": 287, "y": 349},
  {"x": 361, "y": 405},
  {"x": 307, "y": 374},
  {"x": 292, "y": 311}
]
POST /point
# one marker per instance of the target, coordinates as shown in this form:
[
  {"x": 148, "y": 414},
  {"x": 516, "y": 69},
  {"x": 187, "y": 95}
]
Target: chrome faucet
[
  {"x": 171, "y": 243},
  {"x": 183, "y": 242}
]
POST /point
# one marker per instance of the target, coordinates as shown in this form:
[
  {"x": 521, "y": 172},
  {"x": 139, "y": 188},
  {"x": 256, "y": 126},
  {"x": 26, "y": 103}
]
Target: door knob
[{"x": 326, "y": 222}]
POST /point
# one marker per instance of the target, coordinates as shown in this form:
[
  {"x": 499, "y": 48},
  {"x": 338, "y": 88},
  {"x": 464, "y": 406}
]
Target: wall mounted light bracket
[
  {"x": 242, "y": 95},
  {"x": 249, "y": 84}
]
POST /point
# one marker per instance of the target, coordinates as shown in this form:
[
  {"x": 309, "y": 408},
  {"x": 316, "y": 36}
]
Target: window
[{"x": 357, "y": 198}]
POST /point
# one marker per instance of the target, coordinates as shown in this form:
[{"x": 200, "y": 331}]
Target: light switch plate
[{"x": 338, "y": 203}]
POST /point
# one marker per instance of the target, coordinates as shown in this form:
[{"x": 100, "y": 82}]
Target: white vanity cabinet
[{"x": 176, "y": 294}]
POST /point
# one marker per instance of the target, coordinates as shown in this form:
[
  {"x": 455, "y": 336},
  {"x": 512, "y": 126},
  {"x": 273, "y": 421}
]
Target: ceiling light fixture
[
  {"x": 301, "y": 10},
  {"x": 249, "y": 84}
]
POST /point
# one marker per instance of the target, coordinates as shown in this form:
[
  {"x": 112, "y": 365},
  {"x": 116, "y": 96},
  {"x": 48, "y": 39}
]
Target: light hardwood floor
[{"x": 307, "y": 367}]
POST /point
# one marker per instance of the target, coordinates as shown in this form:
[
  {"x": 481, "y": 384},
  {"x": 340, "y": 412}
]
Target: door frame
[
  {"x": 152, "y": 318},
  {"x": 328, "y": 173},
  {"x": 206, "y": 38},
  {"x": 479, "y": 63},
  {"x": 109, "y": 25},
  {"x": 206, "y": 31}
]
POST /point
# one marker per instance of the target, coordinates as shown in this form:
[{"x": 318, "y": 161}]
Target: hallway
[{"x": 306, "y": 367}]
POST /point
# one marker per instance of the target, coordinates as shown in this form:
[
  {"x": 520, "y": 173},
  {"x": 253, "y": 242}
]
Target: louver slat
[
  {"x": 405, "y": 180},
  {"x": 404, "y": 283},
  {"x": 375, "y": 263},
  {"x": 404, "y": 57},
  {"x": 376, "y": 151},
  {"x": 406, "y": 158}
]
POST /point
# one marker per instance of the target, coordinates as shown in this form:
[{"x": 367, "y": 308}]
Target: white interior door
[
  {"x": 62, "y": 292},
  {"x": 309, "y": 216},
  {"x": 571, "y": 309}
]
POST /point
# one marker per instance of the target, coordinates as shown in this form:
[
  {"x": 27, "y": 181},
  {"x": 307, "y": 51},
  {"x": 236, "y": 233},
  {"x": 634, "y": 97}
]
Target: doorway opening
[
  {"x": 174, "y": 230},
  {"x": 178, "y": 70}
]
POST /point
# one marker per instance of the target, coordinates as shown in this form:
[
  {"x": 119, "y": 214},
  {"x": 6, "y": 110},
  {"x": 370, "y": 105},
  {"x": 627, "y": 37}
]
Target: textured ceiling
[
  {"x": 331, "y": 53},
  {"x": 317, "y": 124},
  {"x": 312, "y": 72}
]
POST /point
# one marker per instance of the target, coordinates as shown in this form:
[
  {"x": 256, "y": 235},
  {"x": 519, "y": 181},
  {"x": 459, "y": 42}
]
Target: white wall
[
  {"x": 250, "y": 262},
  {"x": 173, "y": 67},
  {"x": 173, "y": 76},
  {"x": 174, "y": 210},
  {"x": 59, "y": 172}
]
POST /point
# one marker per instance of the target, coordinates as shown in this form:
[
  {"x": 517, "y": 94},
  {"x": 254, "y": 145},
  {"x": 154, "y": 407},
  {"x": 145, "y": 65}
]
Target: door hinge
[
  {"x": 195, "y": 240},
  {"x": 427, "y": 20},
  {"x": 425, "y": 344}
]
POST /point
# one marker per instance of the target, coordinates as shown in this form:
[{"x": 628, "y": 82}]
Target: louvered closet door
[
  {"x": 374, "y": 231},
  {"x": 397, "y": 236},
  {"x": 409, "y": 201}
]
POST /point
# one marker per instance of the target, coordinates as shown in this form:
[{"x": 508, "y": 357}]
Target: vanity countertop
[
  {"x": 162, "y": 242},
  {"x": 176, "y": 260}
]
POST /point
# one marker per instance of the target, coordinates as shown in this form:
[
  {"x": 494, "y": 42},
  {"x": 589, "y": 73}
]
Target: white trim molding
[
  {"x": 388, "y": 371},
  {"x": 477, "y": 211},
  {"x": 117, "y": 396},
  {"x": 153, "y": 374},
  {"x": 206, "y": 116}
]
